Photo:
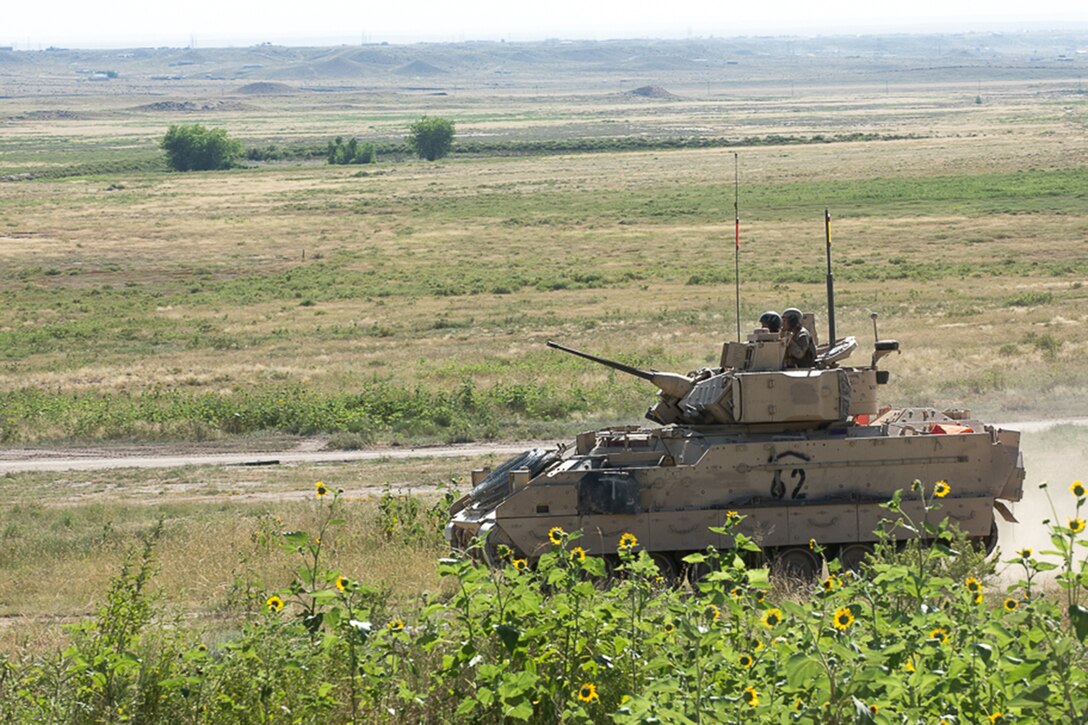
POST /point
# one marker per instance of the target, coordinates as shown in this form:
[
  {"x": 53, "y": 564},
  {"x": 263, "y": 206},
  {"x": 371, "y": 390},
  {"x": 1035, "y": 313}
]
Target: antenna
[
  {"x": 830, "y": 282},
  {"x": 736, "y": 254}
]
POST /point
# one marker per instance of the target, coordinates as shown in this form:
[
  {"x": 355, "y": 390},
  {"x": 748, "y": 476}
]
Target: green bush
[
  {"x": 431, "y": 137},
  {"x": 196, "y": 148},
  {"x": 351, "y": 152}
]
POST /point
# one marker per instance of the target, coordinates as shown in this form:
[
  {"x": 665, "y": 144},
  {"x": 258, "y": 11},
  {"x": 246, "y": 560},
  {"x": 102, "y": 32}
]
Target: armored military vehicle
[{"x": 803, "y": 454}]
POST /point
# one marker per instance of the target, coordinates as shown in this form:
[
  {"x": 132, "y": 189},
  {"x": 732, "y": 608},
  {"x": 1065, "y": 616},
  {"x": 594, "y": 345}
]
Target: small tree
[
  {"x": 195, "y": 148},
  {"x": 338, "y": 152},
  {"x": 431, "y": 138}
]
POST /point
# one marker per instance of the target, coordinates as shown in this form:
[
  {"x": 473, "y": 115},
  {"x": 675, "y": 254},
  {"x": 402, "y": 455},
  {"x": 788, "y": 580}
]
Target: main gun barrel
[
  {"x": 670, "y": 383},
  {"x": 644, "y": 374}
]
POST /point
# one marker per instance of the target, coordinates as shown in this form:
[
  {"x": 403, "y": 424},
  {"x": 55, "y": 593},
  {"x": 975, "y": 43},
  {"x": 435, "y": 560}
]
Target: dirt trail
[
  {"x": 14, "y": 460},
  {"x": 90, "y": 459}
]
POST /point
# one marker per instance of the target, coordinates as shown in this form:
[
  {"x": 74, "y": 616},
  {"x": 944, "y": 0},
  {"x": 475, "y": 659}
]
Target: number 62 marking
[{"x": 778, "y": 485}]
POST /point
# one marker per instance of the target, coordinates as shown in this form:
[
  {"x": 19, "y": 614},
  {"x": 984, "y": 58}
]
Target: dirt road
[{"x": 14, "y": 460}]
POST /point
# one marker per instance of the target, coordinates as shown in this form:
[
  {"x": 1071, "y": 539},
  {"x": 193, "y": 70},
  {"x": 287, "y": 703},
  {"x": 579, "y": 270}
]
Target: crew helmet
[
  {"x": 771, "y": 320},
  {"x": 791, "y": 317}
]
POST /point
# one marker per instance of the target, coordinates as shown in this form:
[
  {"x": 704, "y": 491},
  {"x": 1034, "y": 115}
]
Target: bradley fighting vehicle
[{"x": 801, "y": 453}]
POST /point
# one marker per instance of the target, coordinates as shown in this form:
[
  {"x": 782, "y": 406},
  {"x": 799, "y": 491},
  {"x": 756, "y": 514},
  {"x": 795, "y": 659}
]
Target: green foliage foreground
[{"x": 916, "y": 638}]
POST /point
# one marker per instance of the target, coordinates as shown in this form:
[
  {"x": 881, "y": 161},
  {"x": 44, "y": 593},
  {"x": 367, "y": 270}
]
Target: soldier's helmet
[
  {"x": 791, "y": 317},
  {"x": 771, "y": 320}
]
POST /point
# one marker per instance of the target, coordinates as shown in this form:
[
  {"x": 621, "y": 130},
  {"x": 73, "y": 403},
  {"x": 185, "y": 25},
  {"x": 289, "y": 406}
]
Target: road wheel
[
  {"x": 796, "y": 562},
  {"x": 852, "y": 556}
]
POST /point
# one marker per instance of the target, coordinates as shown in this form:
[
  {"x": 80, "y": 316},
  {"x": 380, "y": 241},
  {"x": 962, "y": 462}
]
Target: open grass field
[
  {"x": 407, "y": 302},
  {"x": 410, "y": 301}
]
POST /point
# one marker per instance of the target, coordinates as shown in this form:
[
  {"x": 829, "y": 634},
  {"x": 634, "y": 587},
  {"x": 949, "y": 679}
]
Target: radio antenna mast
[{"x": 736, "y": 253}]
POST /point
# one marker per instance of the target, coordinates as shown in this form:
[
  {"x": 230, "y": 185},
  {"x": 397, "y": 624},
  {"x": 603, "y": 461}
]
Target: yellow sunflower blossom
[
  {"x": 843, "y": 618},
  {"x": 578, "y": 554},
  {"x": 628, "y": 541},
  {"x": 588, "y": 692},
  {"x": 395, "y": 625},
  {"x": 830, "y": 583},
  {"x": 1010, "y": 604},
  {"x": 812, "y": 544},
  {"x": 736, "y": 592},
  {"x": 745, "y": 661},
  {"x": 731, "y": 516},
  {"x": 342, "y": 583},
  {"x": 973, "y": 585},
  {"x": 669, "y": 628},
  {"x": 1024, "y": 553},
  {"x": 979, "y": 597},
  {"x": 274, "y": 603},
  {"x": 751, "y": 697},
  {"x": 909, "y": 666},
  {"x": 712, "y": 613},
  {"x": 772, "y": 618},
  {"x": 321, "y": 489},
  {"x": 556, "y": 535},
  {"x": 520, "y": 564},
  {"x": 941, "y": 489},
  {"x": 1078, "y": 489},
  {"x": 940, "y": 634},
  {"x": 873, "y": 709},
  {"x": 1076, "y": 524},
  {"x": 997, "y": 716}
]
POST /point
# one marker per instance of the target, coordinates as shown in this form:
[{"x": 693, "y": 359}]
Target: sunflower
[
  {"x": 1010, "y": 604},
  {"x": 830, "y": 583},
  {"x": 978, "y": 598},
  {"x": 973, "y": 585},
  {"x": 628, "y": 541},
  {"x": 997, "y": 716},
  {"x": 873, "y": 709},
  {"x": 751, "y": 697},
  {"x": 761, "y": 595},
  {"x": 588, "y": 693},
  {"x": 1078, "y": 489},
  {"x": 1076, "y": 525},
  {"x": 712, "y": 613},
  {"x": 396, "y": 625},
  {"x": 578, "y": 554},
  {"x": 736, "y": 592},
  {"x": 556, "y": 535},
  {"x": 909, "y": 666},
  {"x": 321, "y": 488},
  {"x": 1024, "y": 553},
  {"x": 732, "y": 517},
  {"x": 843, "y": 619},
  {"x": 669, "y": 628},
  {"x": 940, "y": 634},
  {"x": 274, "y": 603},
  {"x": 520, "y": 564},
  {"x": 342, "y": 583},
  {"x": 772, "y": 618},
  {"x": 812, "y": 544},
  {"x": 745, "y": 661},
  {"x": 941, "y": 489}
]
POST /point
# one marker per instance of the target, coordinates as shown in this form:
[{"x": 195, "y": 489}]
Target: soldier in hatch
[
  {"x": 800, "y": 347},
  {"x": 771, "y": 321}
]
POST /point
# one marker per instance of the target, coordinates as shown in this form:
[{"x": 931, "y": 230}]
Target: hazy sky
[{"x": 28, "y": 24}]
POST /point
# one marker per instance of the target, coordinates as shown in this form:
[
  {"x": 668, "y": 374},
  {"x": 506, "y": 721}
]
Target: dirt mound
[
  {"x": 266, "y": 88},
  {"x": 188, "y": 107},
  {"x": 651, "y": 92},
  {"x": 419, "y": 68},
  {"x": 47, "y": 116}
]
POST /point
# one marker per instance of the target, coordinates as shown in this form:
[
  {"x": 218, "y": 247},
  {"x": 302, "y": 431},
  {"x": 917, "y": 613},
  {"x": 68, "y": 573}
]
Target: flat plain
[{"x": 407, "y": 301}]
